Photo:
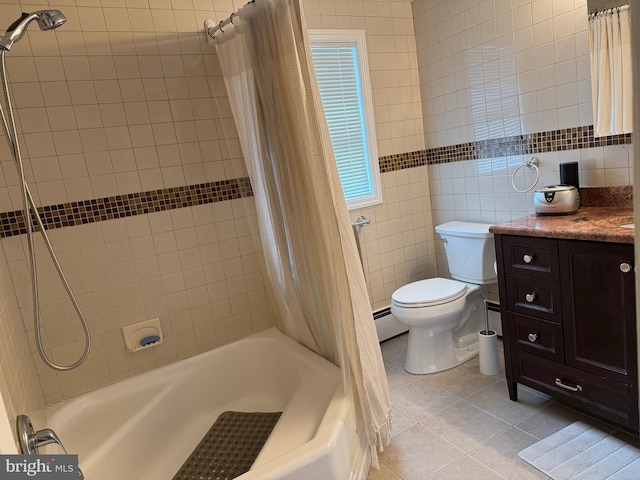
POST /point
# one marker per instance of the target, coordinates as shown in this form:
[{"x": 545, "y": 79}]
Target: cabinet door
[{"x": 599, "y": 308}]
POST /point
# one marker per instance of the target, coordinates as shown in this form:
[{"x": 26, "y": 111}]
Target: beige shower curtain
[
  {"x": 310, "y": 251},
  {"x": 611, "y": 75}
]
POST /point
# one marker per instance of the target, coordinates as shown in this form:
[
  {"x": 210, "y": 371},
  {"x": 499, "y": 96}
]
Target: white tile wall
[
  {"x": 491, "y": 69},
  {"x": 398, "y": 247},
  {"x": 127, "y": 96},
  {"x": 19, "y": 383},
  {"x": 496, "y": 68},
  {"x": 198, "y": 269}
]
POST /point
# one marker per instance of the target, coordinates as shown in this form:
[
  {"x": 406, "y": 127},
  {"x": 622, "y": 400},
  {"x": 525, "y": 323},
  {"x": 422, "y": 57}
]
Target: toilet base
[{"x": 431, "y": 353}]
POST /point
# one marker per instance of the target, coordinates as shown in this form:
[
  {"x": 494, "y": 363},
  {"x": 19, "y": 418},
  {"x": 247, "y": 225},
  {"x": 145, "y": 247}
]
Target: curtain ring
[
  {"x": 210, "y": 34},
  {"x": 220, "y": 26},
  {"x": 231, "y": 18}
]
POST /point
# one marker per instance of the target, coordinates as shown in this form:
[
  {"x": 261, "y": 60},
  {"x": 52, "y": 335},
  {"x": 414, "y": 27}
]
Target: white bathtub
[{"x": 144, "y": 428}]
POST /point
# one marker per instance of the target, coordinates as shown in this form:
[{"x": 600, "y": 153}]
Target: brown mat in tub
[{"x": 230, "y": 447}]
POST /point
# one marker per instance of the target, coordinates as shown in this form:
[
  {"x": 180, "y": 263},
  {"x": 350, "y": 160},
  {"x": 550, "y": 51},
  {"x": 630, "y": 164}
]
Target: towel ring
[{"x": 533, "y": 163}]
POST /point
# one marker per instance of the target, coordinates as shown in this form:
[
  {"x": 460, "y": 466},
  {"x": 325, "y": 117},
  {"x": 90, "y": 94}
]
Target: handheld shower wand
[{"x": 47, "y": 20}]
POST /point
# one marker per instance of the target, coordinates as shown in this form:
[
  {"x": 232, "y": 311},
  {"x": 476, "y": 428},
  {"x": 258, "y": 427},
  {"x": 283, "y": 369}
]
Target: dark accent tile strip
[
  {"x": 552, "y": 141},
  {"x": 119, "y": 206}
]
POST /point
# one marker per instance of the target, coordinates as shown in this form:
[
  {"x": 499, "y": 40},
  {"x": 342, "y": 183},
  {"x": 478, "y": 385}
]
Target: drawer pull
[
  {"x": 625, "y": 267},
  {"x": 530, "y": 297},
  {"x": 571, "y": 388},
  {"x": 533, "y": 337},
  {"x": 528, "y": 258}
]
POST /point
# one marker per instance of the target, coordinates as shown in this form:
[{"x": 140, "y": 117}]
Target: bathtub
[{"x": 143, "y": 428}]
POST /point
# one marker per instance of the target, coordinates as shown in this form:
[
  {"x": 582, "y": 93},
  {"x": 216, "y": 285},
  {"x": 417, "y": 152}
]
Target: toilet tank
[{"x": 470, "y": 251}]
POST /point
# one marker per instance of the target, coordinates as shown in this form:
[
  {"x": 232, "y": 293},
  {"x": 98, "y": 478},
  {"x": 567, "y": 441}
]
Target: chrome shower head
[
  {"x": 50, "y": 19},
  {"x": 47, "y": 20}
]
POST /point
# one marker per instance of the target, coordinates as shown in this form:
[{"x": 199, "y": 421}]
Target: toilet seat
[{"x": 429, "y": 293}]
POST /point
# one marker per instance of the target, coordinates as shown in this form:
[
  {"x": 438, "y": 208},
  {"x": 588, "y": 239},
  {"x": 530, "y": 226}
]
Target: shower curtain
[
  {"x": 610, "y": 53},
  {"x": 310, "y": 251}
]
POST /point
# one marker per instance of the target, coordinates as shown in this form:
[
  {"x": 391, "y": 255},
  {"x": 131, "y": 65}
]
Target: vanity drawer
[
  {"x": 534, "y": 257},
  {"x": 535, "y": 336},
  {"x": 612, "y": 400},
  {"x": 534, "y": 297}
]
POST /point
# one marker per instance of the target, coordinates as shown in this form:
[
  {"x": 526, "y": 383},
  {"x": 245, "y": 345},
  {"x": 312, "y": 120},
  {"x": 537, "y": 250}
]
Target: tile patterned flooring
[{"x": 461, "y": 425}]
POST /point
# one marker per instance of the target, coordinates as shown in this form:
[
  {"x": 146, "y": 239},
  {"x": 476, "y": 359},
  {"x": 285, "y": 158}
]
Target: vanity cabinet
[{"x": 568, "y": 314}]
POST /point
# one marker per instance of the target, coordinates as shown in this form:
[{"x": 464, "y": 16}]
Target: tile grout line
[{"x": 466, "y": 455}]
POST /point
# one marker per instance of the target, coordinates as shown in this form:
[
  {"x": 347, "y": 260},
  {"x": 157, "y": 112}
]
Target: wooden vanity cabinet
[{"x": 568, "y": 315}]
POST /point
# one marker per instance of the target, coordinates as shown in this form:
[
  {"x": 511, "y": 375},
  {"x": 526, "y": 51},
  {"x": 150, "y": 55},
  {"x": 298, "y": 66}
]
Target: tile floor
[{"x": 461, "y": 425}]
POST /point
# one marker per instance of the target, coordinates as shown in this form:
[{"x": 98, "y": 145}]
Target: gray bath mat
[
  {"x": 581, "y": 452},
  {"x": 230, "y": 447}
]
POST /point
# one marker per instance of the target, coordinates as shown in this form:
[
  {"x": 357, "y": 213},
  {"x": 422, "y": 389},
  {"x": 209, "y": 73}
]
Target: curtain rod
[
  {"x": 608, "y": 11},
  {"x": 210, "y": 27}
]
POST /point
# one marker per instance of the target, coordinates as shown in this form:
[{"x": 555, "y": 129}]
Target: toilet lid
[{"x": 430, "y": 292}]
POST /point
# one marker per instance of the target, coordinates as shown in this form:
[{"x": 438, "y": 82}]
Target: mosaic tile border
[
  {"x": 120, "y": 206},
  {"x": 551, "y": 141}
]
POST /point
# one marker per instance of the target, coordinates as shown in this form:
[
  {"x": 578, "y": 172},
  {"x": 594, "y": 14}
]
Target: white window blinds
[{"x": 339, "y": 73}]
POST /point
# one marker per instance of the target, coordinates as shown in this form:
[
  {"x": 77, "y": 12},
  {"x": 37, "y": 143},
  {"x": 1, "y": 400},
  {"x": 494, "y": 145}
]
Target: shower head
[
  {"x": 47, "y": 20},
  {"x": 50, "y": 19}
]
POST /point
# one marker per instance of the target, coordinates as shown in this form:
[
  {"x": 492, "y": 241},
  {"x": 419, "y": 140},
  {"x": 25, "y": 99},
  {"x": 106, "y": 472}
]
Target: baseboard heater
[{"x": 386, "y": 325}]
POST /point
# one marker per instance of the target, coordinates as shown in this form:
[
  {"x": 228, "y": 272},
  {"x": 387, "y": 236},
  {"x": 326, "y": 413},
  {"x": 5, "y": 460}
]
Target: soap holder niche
[{"x": 142, "y": 335}]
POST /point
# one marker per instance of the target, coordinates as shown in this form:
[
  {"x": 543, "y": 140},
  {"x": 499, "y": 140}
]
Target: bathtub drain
[{"x": 230, "y": 447}]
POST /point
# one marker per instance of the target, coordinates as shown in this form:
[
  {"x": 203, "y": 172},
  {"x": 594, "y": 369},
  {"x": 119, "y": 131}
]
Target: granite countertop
[{"x": 601, "y": 224}]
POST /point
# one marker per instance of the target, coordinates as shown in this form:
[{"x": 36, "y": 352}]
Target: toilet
[{"x": 445, "y": 315}]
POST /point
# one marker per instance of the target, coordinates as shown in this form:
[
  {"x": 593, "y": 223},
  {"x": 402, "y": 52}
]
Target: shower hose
[{"x": 31, "y": 213}]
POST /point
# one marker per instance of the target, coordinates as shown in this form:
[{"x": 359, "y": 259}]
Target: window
[{"x": 340, "y": 61}]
